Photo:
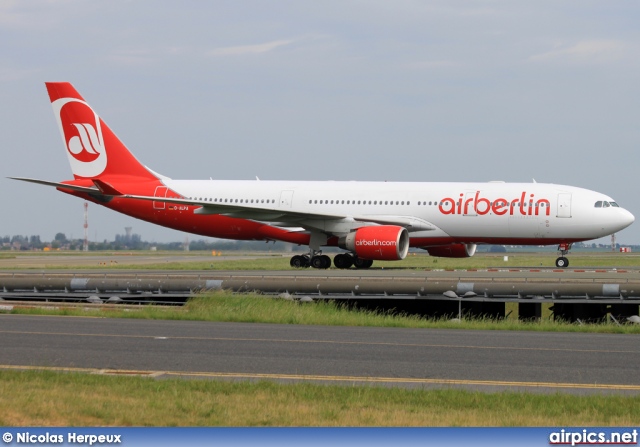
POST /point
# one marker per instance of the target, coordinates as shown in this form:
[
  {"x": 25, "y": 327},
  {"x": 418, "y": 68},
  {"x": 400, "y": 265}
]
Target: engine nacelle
[
  {"x": 453, "y": 250},
  {"x": 379, "y": 243}
]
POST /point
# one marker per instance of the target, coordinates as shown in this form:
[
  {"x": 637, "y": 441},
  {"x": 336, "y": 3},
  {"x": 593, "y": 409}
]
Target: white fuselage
[{"x": 473, "y": 212}]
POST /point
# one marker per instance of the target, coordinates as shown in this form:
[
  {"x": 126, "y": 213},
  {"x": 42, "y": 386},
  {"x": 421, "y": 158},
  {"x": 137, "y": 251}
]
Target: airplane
[{"x": 370, "y": 220}]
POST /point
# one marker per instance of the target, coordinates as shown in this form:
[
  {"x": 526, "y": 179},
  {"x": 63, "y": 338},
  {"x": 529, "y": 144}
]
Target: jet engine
[
  {"x": 453, "y": 250},
  {"x": 381, "y": 243}
]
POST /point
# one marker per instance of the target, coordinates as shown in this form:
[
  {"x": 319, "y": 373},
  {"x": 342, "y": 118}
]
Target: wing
[{"x": 333, "y": 223}]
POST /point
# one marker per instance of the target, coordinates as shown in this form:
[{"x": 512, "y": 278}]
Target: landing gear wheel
[
  {"x": 362, "y": 263},
  {"x": 563, "y": 249},
  {"x": 321, "y": 262},
  {"x": 299, "y": 261},
  {"x": 343, "y": 261}
]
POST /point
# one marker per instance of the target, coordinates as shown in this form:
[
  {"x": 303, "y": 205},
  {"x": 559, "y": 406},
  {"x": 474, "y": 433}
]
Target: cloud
[
  {"x": 585, "y": 52},
  {"x": 12, "y": 15},
  {"x": 21, "y": 15},
  {"x": 250, "y": 49},
  {"x": 16, "y": 74},
  {"x": 435, "y": 64},
  {"x": 131, "y": 56}
]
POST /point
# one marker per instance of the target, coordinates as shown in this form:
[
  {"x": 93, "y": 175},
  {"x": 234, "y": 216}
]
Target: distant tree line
[{"x": 134, "y": 242}]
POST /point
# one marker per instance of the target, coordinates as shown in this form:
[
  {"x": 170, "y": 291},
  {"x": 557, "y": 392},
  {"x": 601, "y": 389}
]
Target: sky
[{"x": 403, "y": 90}]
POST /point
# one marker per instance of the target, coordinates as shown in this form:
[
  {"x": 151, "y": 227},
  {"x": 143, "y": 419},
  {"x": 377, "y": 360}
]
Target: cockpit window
[{"x": 605, "y": 204}]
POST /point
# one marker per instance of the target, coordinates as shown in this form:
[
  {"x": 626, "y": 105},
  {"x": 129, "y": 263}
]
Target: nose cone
[{"x": 625, "y": 219}]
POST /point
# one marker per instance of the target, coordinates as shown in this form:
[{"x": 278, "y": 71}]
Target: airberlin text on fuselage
[{"x": 525, "y": 205}]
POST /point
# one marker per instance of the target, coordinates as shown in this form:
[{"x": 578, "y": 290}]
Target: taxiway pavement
[{"x": 424, "y": 358}]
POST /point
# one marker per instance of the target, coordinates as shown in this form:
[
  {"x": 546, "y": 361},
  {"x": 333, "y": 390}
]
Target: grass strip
[
  {"x": 418, "y": 262},
  {"x": 46, "y": 398}
]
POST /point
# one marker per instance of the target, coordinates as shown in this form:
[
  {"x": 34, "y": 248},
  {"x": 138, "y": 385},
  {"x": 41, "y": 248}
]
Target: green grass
[
  {"x": 253, "y": 308},
  {"x": 47, "y": 398},
  {"x": 418, "y": 261}
]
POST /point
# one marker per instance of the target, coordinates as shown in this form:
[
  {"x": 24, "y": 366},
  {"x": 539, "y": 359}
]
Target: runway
[{"x": 414, "y": 358}]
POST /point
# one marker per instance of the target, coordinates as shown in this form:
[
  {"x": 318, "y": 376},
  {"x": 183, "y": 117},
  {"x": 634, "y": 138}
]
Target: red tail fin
[{"x": 93, "y": 149}]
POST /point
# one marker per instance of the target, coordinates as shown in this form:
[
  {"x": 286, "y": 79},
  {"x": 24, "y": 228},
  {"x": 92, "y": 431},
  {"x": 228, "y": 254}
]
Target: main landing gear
[
  {"x": 346, "y": 260},
  {"x": 562, "y": 262},
  {"x": 319, "y": 261}
]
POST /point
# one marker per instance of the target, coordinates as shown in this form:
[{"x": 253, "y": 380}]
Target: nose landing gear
[{"x": 562, "y": 262}]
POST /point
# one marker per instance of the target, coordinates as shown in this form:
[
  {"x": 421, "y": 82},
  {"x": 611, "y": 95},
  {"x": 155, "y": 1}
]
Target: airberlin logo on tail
[
  {"x": 472, "y": 204},
  {"x": 82, "y": 134},
  {"x": 84, "y": 146}
]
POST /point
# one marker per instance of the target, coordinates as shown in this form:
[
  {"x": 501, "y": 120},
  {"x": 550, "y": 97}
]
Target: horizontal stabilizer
[{"x": 91, "y": 190}]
